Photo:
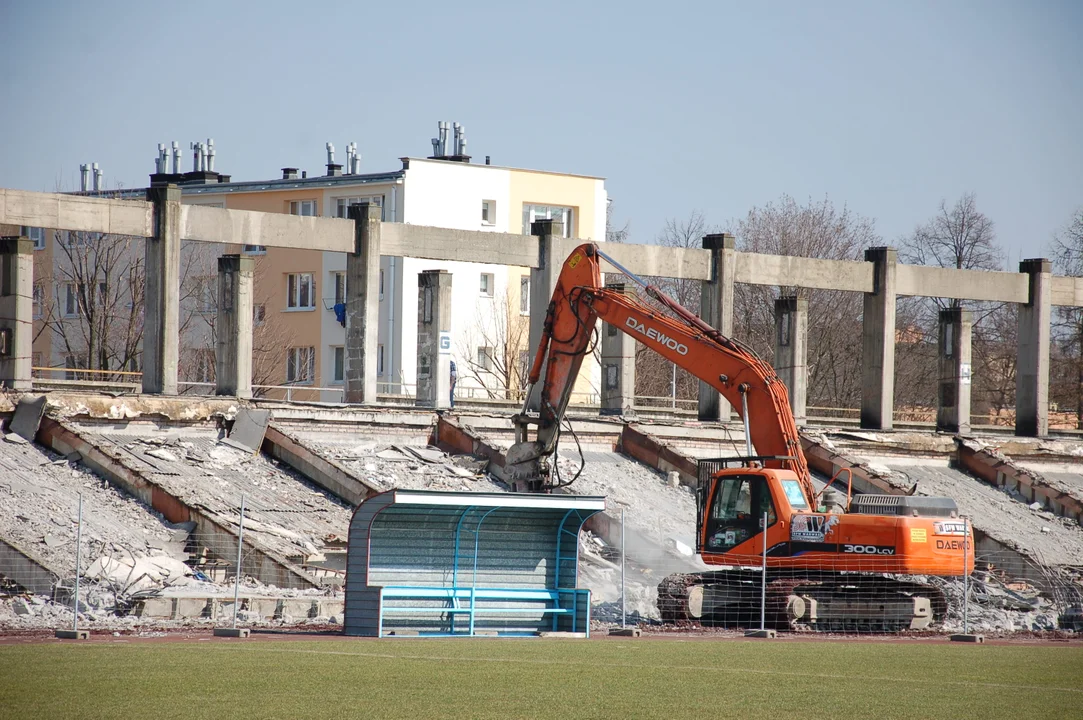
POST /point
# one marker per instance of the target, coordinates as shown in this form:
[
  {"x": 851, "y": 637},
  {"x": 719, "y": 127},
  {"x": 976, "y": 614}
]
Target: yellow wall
[{"x": 283, "y": 328}]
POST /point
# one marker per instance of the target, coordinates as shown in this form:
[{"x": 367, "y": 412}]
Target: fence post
[
  {"x": 237, "y": 574},
  {"x": 966, "y": 577},
  {"x": 623, "y": 604},
  {"x": 763, "y": 580},
  {"x": 78, "y": 565}
]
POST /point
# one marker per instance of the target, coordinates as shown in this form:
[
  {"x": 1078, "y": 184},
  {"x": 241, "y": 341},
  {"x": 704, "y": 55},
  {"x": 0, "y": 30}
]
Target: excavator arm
[{"x": 579, "y": 301}]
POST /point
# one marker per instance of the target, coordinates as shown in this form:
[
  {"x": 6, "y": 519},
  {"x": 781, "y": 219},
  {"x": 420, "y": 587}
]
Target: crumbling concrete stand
[
  {"x": 363, "y": 304},
  {"x": 878, "y": 342},
  {"x": 434, "y": 339},
  {"x": 953, "y": 405},
  {"x": 16, "y": 312},
  {"x": 1032, "y": 372},
  {"x": 161, "y": 314},
  {"x": 618, "y": 367},
  {"x": 543, "y": 281},
  {"x": 791, "y": 351},
  {"x": 233, "y": 356},
  {"x": 716, "y": 309}
]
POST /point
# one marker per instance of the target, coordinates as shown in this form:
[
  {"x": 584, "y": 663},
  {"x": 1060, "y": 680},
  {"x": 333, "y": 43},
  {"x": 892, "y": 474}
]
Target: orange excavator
[{"x": 819, "y": 561}]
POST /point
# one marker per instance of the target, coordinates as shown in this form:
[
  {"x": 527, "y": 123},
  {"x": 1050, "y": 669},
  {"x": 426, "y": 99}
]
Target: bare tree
[
  {"x": 964, "y": 238},
  {"x": 1066, "y": 382},
  {"x": 495, "y": 348},
  {"x": 817, "y": 230}
]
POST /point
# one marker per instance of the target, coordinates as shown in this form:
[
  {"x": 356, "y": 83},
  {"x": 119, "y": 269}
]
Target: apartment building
[{"x": 297, "y": 290}]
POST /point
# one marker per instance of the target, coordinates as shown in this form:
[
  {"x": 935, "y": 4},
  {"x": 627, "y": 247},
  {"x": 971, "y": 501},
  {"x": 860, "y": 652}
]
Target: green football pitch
[{"x": 265, "y": 677}]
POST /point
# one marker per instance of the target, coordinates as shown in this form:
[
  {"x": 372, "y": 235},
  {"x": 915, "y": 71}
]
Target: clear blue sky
[{"x": 713, "y": 106}]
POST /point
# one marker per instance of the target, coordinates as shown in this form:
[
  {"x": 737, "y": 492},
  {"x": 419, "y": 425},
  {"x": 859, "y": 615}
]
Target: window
[
  {"x": 340, "y": 288},
  {"x": 206, "y": 294},
  {"x": 340, "y": 364},
  {"x": 303, "y": 207},
  {"x": 259, "y": 314},
  {"x": 72, "y": 293},
  {"x": 39, "y": 298},
  {"x": 35, "y": 360},
  {"x": 379, "y": 359},
  {"x": 300, "y": 365},
  {"x": 485, "y": 358},
  {"x": 487, "y": 284},
  {"x": 342, "y": 205},
  {"x": 255, "y": 249},
  {"x": 37, "y": 235},
  {"x": 532, "y": 213},
  {"x": 488, "y": 212},
  {"x": 524, "y": 295},
  {"x": 133, "y": 363},
  {"x": 300, "y": 293},
  {"x": 74, "y": 362},
  {"x": 737, "y": 511},
  {"x": 381, "y": 283}
]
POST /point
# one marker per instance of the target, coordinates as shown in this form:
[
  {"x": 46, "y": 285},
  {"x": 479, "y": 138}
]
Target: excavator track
[{"x": 808, "y": 601}]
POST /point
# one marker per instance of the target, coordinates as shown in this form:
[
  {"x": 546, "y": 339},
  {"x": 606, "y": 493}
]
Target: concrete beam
[
  {"x": 25, "y": 570},
  {"x": 434, "y": 243},
  {"x": 161, "y": 315},
  {"x": 323, "y": 472},
  {"x": 1067, "y": 291},
  {"x": 434, "y": 339},
  {"x": 791, "y": 351},
  {"x": 363, "y": 304},
  {"x": 654, "y": 260},
  {"x": 543, "y": 281},
  {"x": 830, "y": 463},
  {"x": 716, "y": 309},
  {"x": 246, "y": 227},
  {"x": 655, "y": 453},
  {"x": 953, "y": 398},
  {"x": 77, "y": 213},
  {"x": 993, "y": 286},
  {"x": 618, "y": 367},
  {"x": 214, "y": 534},
  {"x": 878, "y": 342},
  {"x": 233, "y": 354},
  {"x": 815, "y": 273},
  {"x": 16, "y": 312},
  {"x": 1032, "y": 367}
]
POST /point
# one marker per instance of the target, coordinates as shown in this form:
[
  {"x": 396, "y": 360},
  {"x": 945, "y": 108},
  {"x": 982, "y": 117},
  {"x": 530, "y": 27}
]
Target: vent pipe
[
  {"x": 330, "y": 154},
  {"x": 457, "y": 128},
  {"x": 443, "y": 138},
  {"x": 160, "y": 161},
  {"x": 487, "y": 160},
  {"x": 436, "y": 147},
  {"x": 84, "y": 177},
  {"x": 97, "y": 177},
  {"x": 195, "y": 156},
  {"x": 176, "y": 158},
  {"x": 210, "y": 154}
]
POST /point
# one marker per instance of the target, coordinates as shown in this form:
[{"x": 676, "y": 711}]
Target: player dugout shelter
[{"x": 460, "y": 564}]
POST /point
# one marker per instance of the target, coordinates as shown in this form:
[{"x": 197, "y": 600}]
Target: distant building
[{"x": 296, "y": 290}]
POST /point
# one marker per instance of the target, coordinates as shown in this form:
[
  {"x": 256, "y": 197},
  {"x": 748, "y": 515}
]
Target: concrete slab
[
  {"x": 231, "y": 632},
  {"x": 625, "y": 632},
  {"x": 73, "y": 634},
  {"x": 249, "y": 427},
  {"x": 764, "y": 634},
  {"x": 27, "y": 418},
  {"x": 968, "y": 638}
]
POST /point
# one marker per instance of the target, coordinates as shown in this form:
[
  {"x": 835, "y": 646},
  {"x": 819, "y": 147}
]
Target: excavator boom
[{"x": 580, "y": 300}]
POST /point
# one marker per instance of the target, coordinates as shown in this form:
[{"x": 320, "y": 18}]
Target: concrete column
[
  {"x": 791, "y": 351},
  {"x": 543, "y": 281},
  {"x": 953, "y": 405},
  {"x": 434, "y": 339},
  {"x": 878, "y": 342},
  {"x": 161, "y": 314},
  {"x": 362, "y": 304},
  {"x": 1032, "y": 367},
  {"x": 233, "y": 353},
  {"x": 16, "y": 312},
  {"x": 618, "y": 367},
  {"x": 716, "y": 309}
]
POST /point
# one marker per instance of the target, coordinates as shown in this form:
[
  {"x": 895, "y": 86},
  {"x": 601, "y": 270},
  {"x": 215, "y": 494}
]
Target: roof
[
  {"x": 504, "y": 500},
  {"x": 292, "y": 184},
  {"x": 502, "y": 167}
]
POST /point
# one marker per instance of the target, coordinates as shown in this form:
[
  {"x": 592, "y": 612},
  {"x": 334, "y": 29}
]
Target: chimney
[
  {"x": 97, "y": 177},
  {"x": 176, "y": 158},
  {"x": 289, "y": 173},
  {"x": 194, "y": 147},
  {"x": 457, "y": 128},
  {"x": 304, "y": 174},
  {"x": 160, "y": 161},
  {"x": 210, "y": 154},
  {"x": 487, "y": 160},
  {"x": 333, "y": 170},
  {"x": 84, "y": 177}
]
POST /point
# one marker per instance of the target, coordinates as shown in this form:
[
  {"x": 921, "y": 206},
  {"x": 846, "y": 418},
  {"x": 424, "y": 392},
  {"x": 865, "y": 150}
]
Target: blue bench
[{"x": 475, "y": 601}]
